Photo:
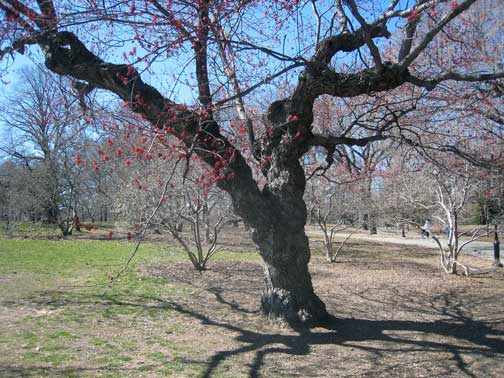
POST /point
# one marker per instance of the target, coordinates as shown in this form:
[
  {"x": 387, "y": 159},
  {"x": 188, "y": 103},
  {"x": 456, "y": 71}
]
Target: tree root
[{"x": 475, "y": 271}]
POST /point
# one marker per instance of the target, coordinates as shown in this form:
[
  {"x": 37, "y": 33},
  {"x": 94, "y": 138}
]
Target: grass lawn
[
  {"x": 395, "y": 314},
  {"x": 53, "y": 326},
  {"x": 31, "y": 230}
]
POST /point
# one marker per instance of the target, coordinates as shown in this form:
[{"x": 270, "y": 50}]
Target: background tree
[
  {"x": 44, "y": 130},
  {"x": 446, "y": 192},
  {"x": 20, "y": 194},
  {"x": 326, "y": 214},
  {"x": 188, "y": 207},
  {"x": 206, "y": 213}
]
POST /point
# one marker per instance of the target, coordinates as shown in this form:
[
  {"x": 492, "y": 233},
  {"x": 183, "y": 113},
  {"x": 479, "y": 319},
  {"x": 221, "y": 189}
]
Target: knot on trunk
[{"x": 277, "y": 112}]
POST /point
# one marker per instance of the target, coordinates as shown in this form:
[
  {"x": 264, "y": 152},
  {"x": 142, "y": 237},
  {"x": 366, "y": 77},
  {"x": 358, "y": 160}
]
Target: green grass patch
[
  {"x": 42, "y": 230},
  {"x": 31, "y": 230},
  {"x": 62, "y": 306},
  {"x": 61, "y": 334},
  {"x": 64, "y": 256}
]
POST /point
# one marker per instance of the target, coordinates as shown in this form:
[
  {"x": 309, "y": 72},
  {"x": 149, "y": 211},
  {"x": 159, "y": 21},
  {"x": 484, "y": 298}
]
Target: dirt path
[{"x": 478, "y": 248}]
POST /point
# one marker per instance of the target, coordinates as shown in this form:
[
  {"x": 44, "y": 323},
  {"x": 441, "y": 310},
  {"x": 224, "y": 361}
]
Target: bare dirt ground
[{"x": 394, "y": 315}]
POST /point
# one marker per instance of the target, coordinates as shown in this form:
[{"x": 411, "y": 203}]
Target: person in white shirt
[{"x": 426, "y": 229}]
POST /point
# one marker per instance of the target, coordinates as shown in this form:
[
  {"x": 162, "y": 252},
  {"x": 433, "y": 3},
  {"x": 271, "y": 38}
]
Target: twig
[{"x": 140, "y": 239}]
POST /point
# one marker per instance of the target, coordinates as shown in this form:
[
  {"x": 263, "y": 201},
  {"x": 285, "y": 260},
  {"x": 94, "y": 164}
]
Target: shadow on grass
[
  {"x": 455, "y": 332},
  {"x": 42, "y": 371}
]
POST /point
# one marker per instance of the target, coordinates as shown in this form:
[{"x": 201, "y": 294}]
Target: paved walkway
[{"x": 477, "y": 248}]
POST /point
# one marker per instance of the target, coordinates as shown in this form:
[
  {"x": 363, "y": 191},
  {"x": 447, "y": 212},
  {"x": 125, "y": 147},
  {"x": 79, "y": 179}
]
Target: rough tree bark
[{"x": 284, "y": 247}]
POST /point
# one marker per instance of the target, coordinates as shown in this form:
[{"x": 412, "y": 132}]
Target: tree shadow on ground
[
  {"x": 392, "y": 318},
  {"x": 453, "y": 332},
  {"x": 8, "y": 371},
  {"x": 350, "y": 332}
]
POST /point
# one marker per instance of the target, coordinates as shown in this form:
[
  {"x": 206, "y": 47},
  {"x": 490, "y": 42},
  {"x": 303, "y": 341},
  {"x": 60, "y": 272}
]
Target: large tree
[
  {"x": 233, "y": 48},
  {"x": 43, "y": 132}
]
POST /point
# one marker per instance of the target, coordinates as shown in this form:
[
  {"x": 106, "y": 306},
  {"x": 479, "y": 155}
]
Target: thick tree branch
[
  {"x": 346, "y": 42},
  {"x": 201, "y": 54},
  {"x": 48, "y": 13},
  {"x": 16, "y": 15},
  {"x": 319, "y": 21},
  {"x": 65, "y": 54},
  {"x": 319, "y": 80},
  {"x": 407, "y": 42},
  {"x": 19, "y": 8},
  {"x": 343, "y": 20},
  {"x": 366, "y": 31},
  {"x": 227, "y": 56},
  {"x": 329, "y": 142}
]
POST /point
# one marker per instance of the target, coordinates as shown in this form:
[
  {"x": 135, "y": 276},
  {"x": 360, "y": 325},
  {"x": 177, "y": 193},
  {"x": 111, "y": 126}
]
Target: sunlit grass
[{"x": 66, "y": 319}]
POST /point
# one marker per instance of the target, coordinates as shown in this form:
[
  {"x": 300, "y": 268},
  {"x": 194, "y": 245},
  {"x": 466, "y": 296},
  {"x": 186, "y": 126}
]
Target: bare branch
[
  {"x": 408, "y": 59},
  {"x": 258, "y": 84},
  {"x": 375, "y": 53},
  {"x": 407, "y": 42},
  {"x": 455, "y": 76},
  {"x": 343, "y": 20}
]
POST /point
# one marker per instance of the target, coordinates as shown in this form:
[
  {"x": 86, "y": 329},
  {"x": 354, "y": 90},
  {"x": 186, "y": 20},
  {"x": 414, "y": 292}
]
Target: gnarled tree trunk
[
  {"x": 288, "y": 292},
  {"x": 277, "y": 219}
]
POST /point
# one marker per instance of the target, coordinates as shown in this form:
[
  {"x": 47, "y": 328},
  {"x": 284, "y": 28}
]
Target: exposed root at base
[{"x": 283, "y": 308}]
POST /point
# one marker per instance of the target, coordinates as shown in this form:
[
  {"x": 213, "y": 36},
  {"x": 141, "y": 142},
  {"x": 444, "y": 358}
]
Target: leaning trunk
[
  {"x": 277, "y": 223},
  {"x": 276, "y": 217}
]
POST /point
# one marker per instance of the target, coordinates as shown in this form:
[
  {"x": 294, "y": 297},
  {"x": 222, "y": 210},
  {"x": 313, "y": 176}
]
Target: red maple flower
[{"x": 413, "y": 15}]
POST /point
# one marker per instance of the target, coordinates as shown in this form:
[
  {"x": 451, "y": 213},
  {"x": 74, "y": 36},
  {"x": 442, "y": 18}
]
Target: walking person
[{"x": 426, "y": 229}]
